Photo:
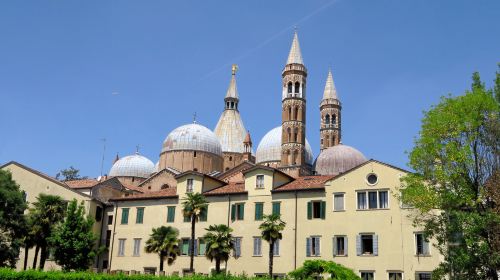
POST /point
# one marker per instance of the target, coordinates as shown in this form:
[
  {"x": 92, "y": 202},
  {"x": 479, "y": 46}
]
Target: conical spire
[
  {"x": 232, "y": 91},
  {"x": 295, "y": 55},
  {"x": 330, "y": 90}
]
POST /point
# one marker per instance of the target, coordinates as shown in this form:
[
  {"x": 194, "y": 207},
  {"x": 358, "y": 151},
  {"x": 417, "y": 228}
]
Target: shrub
[{"x": 312, "y": 268}]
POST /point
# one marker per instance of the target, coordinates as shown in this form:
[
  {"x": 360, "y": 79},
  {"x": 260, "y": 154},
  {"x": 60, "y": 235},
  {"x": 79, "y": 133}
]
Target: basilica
[{"x": 338, "y": 206}]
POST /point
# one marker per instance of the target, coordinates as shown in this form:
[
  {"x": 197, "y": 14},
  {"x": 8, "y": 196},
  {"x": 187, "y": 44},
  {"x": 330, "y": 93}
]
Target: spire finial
[
  {"x": 194, "y": 117},
  {"x": 234, "y": 69},
  {"x": 137, "y": 149},
  {"x": 330, "y": 90},
  {"x": 295, "y": 56},
  {"x": 232, "y": 91}
]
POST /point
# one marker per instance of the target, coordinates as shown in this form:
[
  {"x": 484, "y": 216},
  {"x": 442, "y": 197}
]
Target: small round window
[{"x": 372, "y": 179}]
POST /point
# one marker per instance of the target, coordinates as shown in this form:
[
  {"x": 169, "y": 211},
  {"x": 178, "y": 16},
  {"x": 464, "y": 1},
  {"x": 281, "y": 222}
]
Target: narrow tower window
[
  {"x": 296, "y": 131},
  {"x": 289, "y": 113},
  {"x": 289, "y": 135},
  {"x": 327, "y": 119},
  {"x": 334, "y": 119},
  {"x": 296, "y": 113},
  {"x": 290, "y": 87},
  {"x": 297, "y": 87}
]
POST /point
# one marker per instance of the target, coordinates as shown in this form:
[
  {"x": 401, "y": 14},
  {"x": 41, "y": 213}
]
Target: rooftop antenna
[
  {"x": 194, "y": 117},
  {"x": 103, "y": 153}
]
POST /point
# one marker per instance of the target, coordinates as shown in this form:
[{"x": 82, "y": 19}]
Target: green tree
[
  {"x": 312, "y": 268},
  {"x": 193, "y": 206},
  {"x": 47, "y": 213},
  {"x": 69, "y": 174},
  {"x": 455, "y": 154},
  {"x": 219, "y": 242},
  {"x": 164, "y": 241},
  {"x": 12, "y": 221},
  {"x": 73, "y": 241},
  {"x": 28, "y": 240},
  {"x": 271, "y": 228}
]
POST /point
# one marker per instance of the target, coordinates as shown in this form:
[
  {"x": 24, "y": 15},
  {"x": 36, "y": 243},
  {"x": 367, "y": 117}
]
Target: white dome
[
  {"x": 133, "y": 166},
  {"x": 338, "y": 159},
  {"x": 231, "y": 131},
  {"x": 157, "y": 166},
  {"x": 269, "y": 148},
  {"x": 193, "y": 137}
]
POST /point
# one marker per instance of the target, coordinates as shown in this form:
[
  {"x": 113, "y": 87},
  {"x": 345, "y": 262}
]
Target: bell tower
[
  {"x": 293, "y": 135},
  {"x": 330, "y": 110}
]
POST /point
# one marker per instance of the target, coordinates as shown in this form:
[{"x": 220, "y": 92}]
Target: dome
[
  {"x": 231, "y": 131},
  {"x": 157, "y": 166},
  {"x": 338, "y": 159},
  {"x": 192, "y": 137},
  {"x": 132, "y": 166},
  {"x": 269, "y": 148}
]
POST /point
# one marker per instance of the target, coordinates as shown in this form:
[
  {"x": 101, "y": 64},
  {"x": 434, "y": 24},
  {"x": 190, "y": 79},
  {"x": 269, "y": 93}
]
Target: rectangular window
[
  {"x": 259, "y": 211},
  {"x": 170, "y": 214},
  {"x": 423, "y": 276},
  {"x": 202, "y": 247},
  {"x": 237, "y": 211},
  {"x": 140, "y": 215},
  {"x": 316, "y": 210},
  {"x": 367, "y": 245},
  {"x": 367, "y": 275},
  {"x": 105, "y": 264},
  {"x": 121, "y": 247},
  {"x": 422, "y": 245},
  {"x": 110, "y": 219},
  {"x": 237, "y": 247},
  {"x": 373, "y": 200},
  {"x": 98, "y": 213},
  {"x": 276, "y": 248},
  {"x": 125, "y": 216},
  {"x": 362, "y": 200},
  {"x": 108, "y": 238},
  {"x": 137, "y": 247},
  {"x": 259, "y": 183},
  {"x": 338, "y": 202},
  {"x": 313, "y": 246},
  {"x": 383, "y": 200},
  {"x": 187, "y": 219},
  {"x": 395, "y": 276},
  {"x": 276, "y": 208},
  {"x": 257, "y": 246},
  {"x": 185, "y": 247},
  {"x": 340, "y": 246},
  {"x": 204, "y": 214},
  {"x": 189, "y": 186}
]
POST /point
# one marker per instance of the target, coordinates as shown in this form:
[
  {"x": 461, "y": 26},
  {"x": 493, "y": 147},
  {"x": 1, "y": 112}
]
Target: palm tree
[
  {"x": 165, "y": 242},
  {"x": 192, "y": 206},
  {"x": 271, "y": 231},
  {"x": 219, "y": 242},
  {"x": 47, "y": 212}
]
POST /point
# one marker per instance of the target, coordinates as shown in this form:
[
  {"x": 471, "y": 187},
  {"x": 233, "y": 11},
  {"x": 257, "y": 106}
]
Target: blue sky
[{"x": 74, "y": 72}]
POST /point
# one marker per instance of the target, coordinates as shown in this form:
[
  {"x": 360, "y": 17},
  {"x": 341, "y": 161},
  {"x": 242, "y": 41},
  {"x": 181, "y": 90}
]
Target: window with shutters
[
  {"x": 316, "y": 210},
  {"x": 421, "y": 244},
  {"x": 237, "y": 212},
  {"x": 313, "y": 246},
  {"x": 367, "y": 245},
  {"x": 140, "y": 215},
  {"x": 367, "y": 275},
  {"x": 237, "y": 247},
  {"x": 276, "y": 208},
  {"x": 185, "y": 246},
  {"x": 202, "y": 247},
  {"x": 189, "y": 186},
  {"x": 125, "y": 216},
  {"x": 378, "y": 199},
  {"x": 340, "y": 245},
  {"x": 121, "y": 247},
  {"x": 259, "y": 211},
  {"x": 395, "y": 275},
  {"x": 110, "y": 219},
  {"x": 423, "y": 276},
  {"x": 204, "y": 214},
  {"x": 338, "y": 202},
  {"x": 259, "y": 182},
  {"x": 137, "y": 247},
  {"x": 276, "y": 248},
  {"x": 170, "y": 214},
  {"x": 257, "y": 246}
]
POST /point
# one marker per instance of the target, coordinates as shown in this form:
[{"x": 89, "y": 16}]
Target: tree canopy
[
  {"x": 164, "y": 241},
  {"x": 312, "y": 268},
  {"x": 219, "y": 244},
  {"x": 69, "y": 174}
]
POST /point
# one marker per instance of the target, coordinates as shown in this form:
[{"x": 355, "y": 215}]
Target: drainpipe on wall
[
  {"x": 113, "y": 238},
  {"x": 295, "y": 242}
]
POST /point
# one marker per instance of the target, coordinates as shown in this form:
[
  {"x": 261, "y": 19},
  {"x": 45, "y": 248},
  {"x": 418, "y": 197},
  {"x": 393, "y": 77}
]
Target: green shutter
[
  {"x": 140, "y": 216},
  {"x": 202, "y": 246},
  {"x": 204, "y": 215},
  {"x": 171, "y": 214},
  {"x": 125, "y": 216},
  {"x": 259, "y": 211},
  {"x": 185, "y": 247},
  {"x": 309, "y": 210},
  {"x": 276, "y": 208},
  {"x": 233, "y": 212},
  {"x": 323, "y": 209},
  {"x": 241, "y": 213}
]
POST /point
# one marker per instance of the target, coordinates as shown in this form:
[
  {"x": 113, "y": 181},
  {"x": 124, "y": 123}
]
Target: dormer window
[
  {"x": 189, "y": 186},
  {"x": 259, "y": 183}
]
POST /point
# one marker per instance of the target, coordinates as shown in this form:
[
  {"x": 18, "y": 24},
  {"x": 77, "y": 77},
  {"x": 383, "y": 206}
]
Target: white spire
[
  {"x": 295, "y": 55},
  {"x": 232, "y": 91},
  {"x": 330, "y": 90}
]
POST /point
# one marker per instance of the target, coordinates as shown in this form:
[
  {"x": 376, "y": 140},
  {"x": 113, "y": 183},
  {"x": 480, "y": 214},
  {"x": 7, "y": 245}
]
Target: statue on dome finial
[
  {"x": 194, "y": 117},
  {"x": 234, "y": 69}
]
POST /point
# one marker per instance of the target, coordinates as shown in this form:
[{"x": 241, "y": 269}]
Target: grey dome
[
  {"x": 338, "y": 159},
  {"x": 193, "y": 137},
  {"x": 133, "y": 166},
  {"x": 269, "y": 148}
]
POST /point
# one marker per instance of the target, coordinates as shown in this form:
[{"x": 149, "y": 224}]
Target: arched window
[
  {"x": 296, "y": 113},
  {"x": 289, "y": 113},
  {"x": 196, "y": 169},
  {"x": 194, "y": 154},
  {"x": 296, "y": 131},
  {"x": 333, "y": 140},
  {"x": 230, "y": 158},
  {"x": 297, "y": 87},
  {"x": 334, "y": 119},
  {"x": 165, "y": 186},
  {"x": 290, "y": 87},
  {"x": 289, "y": 134},
  {"x": 327, "y": 119},
  {"x": 227, "y": 168}
]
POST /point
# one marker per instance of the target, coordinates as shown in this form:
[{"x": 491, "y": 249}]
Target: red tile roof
[
  {"x": 81, "y": 183},
  {"x": 165, "y": 193},
  {"x": 230, "y": 188},
  {"x": 305, "y": 183},
  {"x": 135, "y": 188}
]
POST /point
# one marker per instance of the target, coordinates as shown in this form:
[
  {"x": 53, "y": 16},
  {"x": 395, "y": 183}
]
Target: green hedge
[{"x": 10, "y": 274}]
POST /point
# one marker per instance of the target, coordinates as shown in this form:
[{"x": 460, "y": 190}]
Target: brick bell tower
[
  {"x": 293, "y": 135},
  {"x": 330, "y": 110}
]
